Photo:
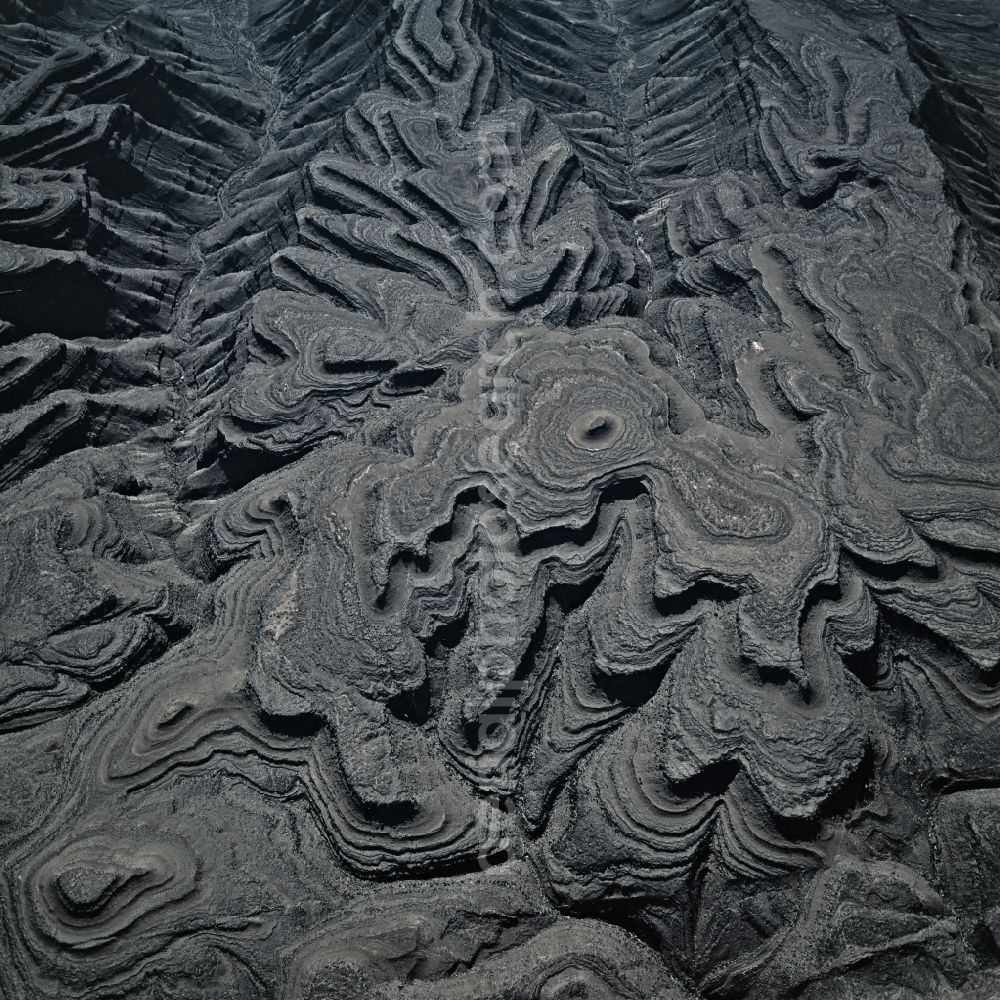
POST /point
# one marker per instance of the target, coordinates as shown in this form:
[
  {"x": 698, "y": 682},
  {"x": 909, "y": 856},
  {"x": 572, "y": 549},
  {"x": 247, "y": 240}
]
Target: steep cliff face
[{"x": 499, "y": 500}]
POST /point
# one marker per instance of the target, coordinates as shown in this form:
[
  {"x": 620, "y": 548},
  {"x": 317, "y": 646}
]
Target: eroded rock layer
[{"x": 499, "y": 500}]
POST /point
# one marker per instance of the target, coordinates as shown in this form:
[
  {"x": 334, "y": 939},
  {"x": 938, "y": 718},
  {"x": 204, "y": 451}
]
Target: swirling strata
[{"x": 498, "y": 499}]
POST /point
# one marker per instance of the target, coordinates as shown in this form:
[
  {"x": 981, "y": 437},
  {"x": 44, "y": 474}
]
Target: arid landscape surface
[{"x": 500, "y": 500}]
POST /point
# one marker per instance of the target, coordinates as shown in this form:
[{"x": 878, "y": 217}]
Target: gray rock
[{"x": 499, "y": 500}]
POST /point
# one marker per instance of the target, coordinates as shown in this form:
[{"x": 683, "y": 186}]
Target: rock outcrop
[{"x": 499, "y": 499}]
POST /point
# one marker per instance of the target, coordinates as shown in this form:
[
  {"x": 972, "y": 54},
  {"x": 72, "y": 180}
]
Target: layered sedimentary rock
[{"x": 499, "y": 500}]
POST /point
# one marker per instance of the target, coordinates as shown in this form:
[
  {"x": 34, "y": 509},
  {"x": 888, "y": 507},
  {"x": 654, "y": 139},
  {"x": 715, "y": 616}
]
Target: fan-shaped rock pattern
[{"x": 499, "y": 500}]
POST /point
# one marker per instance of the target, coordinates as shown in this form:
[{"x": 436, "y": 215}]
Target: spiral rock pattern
[{"x": 499, "y": 500}]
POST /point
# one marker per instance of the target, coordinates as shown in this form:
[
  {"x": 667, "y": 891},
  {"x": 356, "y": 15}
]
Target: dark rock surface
[{"x": 500, "y": 499}]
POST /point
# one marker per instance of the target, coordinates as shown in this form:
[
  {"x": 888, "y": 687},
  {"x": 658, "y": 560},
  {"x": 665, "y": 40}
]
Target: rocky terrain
[{"x": 500, "y": 500}]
